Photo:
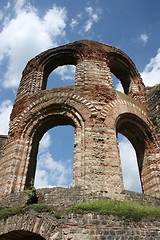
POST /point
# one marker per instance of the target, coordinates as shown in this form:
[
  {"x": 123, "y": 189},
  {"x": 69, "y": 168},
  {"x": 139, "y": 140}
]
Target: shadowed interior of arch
[
  {"x": 19, "y": 235},
  {"x": 122, "y": 70},
  {"x": 130, "y": 170},
  {"x": 55, "y": 158}
]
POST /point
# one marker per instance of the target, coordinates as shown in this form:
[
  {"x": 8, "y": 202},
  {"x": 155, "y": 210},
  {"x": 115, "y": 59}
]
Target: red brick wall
[
  {"x": 3, "y": 141},
  {"x": 32, "y": 225},
  {"x": 96, "y": 111}
]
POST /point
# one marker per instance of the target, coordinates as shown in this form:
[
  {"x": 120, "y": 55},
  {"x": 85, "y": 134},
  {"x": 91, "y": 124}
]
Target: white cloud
[
  {"x": 50, "y": 172},
  {"x": 5, "y": 111},
  {"x": 45, "y": 143},
  {"x": 54, "y": 22},
  {"x": 74, "y": 22},
  {"x": 130, "y": 170},
  {"x": 151, "y": 73},
  {"x": 93, "y": 16},
  {"x": 26, "y": 35},
  {"x": 41, "y": 179},
  {"x": 144, "y": 38},
  {"x": 119, "y": 87},
  {"x": 7, "y": 5},
  {"x": 19, "y": 5},
  {"x": 66, "y": 72}
]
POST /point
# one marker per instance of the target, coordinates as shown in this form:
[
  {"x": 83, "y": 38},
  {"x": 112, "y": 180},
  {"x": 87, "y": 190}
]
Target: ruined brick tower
[{"x": 95, "y": 110}]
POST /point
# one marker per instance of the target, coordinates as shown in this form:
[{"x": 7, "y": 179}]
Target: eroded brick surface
[
  {"x": 3, "y": 141},
  {"x": 77, "y": 227},
  {"x": 95, "y": 110}
]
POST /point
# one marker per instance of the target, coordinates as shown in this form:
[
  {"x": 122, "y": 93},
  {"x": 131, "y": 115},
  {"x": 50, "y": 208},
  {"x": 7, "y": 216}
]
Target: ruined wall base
[
  {"x": 78, "y": 227},
  {"x": 73, "y": 226},
  {"x": 64, "y": 197}
]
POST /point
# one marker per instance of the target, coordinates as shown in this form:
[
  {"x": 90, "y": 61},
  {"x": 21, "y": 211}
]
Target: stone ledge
[
  {"x": 14, "y": 200},
  {"x": 64, "y": 197}
]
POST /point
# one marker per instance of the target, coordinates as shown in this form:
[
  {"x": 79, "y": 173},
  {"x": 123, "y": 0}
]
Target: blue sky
[{"x": 28, "y": 27}]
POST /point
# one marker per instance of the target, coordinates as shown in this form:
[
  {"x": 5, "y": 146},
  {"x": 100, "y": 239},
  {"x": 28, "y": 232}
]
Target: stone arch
[
  {"x": 137, "y": 132},
  {"x": 127, "y": 114},
  {"x": 124, "y": 104},
  {"x": 124, "y": 69},
  {"x": 86, "y": 56},
  {"x": 68, "y": 115},
  {"x": 54, "y": 60},
  {"x": 43, "y": 116},
  {"x": 35, "y": 74},
  {"x": 140, "y": 135},
  {"x": 45, "y": 105},
  {"x": 60, "y": 115},
  {"x": 48, "y": 97},
  {"x": 28, "y": 225}
]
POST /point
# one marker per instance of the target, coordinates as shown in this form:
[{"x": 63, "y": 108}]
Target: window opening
[
  {"x": 130, "y": 171},
  {"x": 117, "y": 84},
  {"x": 62, "y": 76},
  {"x": 55, "y": 158}
]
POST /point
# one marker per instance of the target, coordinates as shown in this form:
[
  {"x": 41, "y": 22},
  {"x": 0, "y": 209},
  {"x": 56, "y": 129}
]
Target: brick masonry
[
  {"x": 97, "y": 112},
  {"x": 153, "y": 97},
  {"x": 60, "y": 197},
  {"x": 3, "y": 141},
  {"x": 32, "y": 225}
]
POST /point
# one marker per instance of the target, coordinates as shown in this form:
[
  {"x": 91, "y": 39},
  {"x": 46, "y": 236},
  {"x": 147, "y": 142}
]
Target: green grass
[
  {"x": 40, "y": 207},
  {"x": 131, "y": 210},
  {"x": 127, "y": 210},
  {"x": 6, "y": 212}
]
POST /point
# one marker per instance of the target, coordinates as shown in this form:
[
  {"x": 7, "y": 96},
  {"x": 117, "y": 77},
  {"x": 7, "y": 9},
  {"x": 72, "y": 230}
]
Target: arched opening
[
  {"x": 54, "y": 116},
  {"x": 19, "y": 235},
  {"x": 62, "y": 63},
  {"x": 130, "y": 170},
  {"x": 122, "y": 69},
  {"x": 55, "y": 158},
  {"x": 117, "y": 85},
  {"x": 61, "y": 76},
  {"x": 138, "y": 133}
]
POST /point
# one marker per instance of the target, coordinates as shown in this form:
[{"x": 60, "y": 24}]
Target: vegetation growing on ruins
[
  {"x": 128, "y": 210},
  {"x": 132, "y": 210},
  {"x": 6, "y": 212}
]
